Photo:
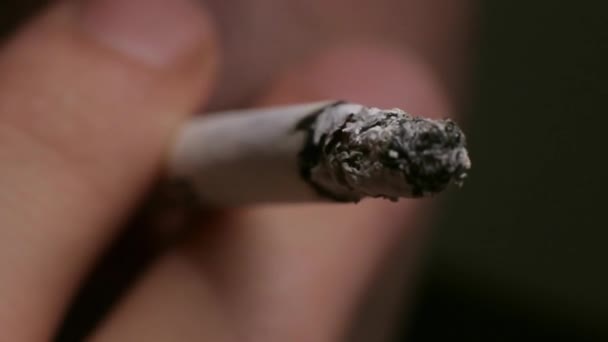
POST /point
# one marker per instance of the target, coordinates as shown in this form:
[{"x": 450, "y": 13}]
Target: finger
[
  {"x": 437, "y": 30},
  {"x": 304, "y": 270},
  {"x": 89, "y": 96},
  {"x": 373, "y": 245},
  {"x": 293, "y": 273}
]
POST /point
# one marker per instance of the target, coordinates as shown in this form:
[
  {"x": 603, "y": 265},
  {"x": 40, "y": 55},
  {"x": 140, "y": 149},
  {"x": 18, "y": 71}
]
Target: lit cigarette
[{"x": 325, "y": 151}]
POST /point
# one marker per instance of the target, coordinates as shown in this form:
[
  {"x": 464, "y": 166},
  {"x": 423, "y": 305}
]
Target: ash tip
[
  {"x": 434, "y": 153},
  {"x": 370, "y": 152}
]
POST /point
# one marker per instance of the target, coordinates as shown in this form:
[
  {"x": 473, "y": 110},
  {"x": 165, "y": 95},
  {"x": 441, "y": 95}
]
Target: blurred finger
[{"x": 89, "y": 96}]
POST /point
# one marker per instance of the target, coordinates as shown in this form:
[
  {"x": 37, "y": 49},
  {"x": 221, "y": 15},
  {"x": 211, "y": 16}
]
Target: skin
[{"x": 91, "y": 94}]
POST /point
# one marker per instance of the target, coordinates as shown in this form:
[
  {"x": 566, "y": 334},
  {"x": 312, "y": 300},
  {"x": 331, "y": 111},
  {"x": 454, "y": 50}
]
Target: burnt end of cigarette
[
  {"x": 311, "y": 155},
  {"x": 354, "y": 152},
  {"x": 432, "y": 154}
]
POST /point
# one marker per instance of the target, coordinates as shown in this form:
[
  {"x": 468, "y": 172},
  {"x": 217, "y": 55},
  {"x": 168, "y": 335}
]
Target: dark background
[{"x": 519, "y": 254}]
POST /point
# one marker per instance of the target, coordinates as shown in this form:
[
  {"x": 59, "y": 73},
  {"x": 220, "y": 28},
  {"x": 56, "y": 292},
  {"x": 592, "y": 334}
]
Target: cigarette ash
[{"x": 356, "y": 152}]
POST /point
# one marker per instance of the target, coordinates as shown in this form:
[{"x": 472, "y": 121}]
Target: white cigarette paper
[{"x": 332, "y": 150}]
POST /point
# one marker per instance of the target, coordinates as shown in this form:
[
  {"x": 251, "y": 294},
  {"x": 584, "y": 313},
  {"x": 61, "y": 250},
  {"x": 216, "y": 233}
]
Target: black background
[{"x": 520, "y": 252}]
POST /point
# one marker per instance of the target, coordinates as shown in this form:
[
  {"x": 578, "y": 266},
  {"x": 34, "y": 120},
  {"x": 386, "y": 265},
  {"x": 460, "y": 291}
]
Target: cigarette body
[{"x": 324, "y": 151}]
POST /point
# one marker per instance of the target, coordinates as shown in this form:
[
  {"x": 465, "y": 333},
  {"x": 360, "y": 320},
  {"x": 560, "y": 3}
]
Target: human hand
[{"x": 90, "y": 96}]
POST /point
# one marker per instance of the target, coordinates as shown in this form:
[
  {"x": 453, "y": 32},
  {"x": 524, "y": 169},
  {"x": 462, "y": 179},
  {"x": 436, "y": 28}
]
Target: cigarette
[{"x": 324, "y": 151}]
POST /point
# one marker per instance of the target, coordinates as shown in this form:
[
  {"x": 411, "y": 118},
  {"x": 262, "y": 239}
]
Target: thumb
[{"x": 89, "y": 97}]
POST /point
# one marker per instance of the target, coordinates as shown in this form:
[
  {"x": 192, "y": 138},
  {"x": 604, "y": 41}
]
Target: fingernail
[{"x": 156, "y": 32}]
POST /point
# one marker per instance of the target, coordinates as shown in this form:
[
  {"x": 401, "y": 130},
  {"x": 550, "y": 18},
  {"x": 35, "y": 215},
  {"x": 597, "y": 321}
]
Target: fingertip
[
  {"x": 372, "y": 75},
  {"x": 168, "y": 30}
]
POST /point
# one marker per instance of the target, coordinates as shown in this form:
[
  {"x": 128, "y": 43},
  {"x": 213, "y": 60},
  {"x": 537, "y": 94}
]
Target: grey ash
[
  {"x": 355, "y": 152},
  {"x": 430, "y": 153}
]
